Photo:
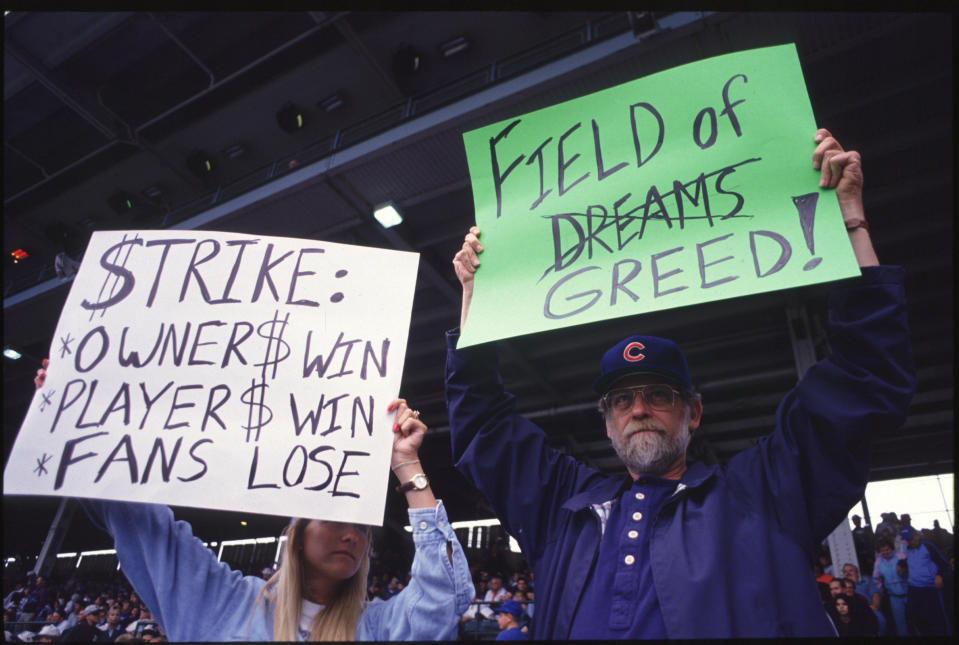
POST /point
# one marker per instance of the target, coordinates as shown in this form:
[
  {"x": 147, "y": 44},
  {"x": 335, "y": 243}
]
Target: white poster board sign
[
  {"x": 220, "y": 370},
  {"x": 842, "y": 548}
]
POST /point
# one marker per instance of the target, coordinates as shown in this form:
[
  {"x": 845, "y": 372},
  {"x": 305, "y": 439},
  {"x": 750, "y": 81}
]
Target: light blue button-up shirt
[{"x": 196, "y": 598}]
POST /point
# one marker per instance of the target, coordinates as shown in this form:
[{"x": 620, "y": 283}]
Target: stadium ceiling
[{"x": 100, "y": 108}]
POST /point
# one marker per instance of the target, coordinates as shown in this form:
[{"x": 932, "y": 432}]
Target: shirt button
[
  {"x": 637, "y": 516},
  {"x": 422, "y": 526},
  {"x": 633, "y": 535},
  {"x": 640, "y": 496},
  {"x": 629, "y": 559}
]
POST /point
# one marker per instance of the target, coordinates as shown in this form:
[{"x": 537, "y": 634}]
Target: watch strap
[{"x": 411, "y": 484}]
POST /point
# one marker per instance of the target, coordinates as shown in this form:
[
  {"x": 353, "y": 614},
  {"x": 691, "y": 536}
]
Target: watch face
[{"x": 420, "y": 482}]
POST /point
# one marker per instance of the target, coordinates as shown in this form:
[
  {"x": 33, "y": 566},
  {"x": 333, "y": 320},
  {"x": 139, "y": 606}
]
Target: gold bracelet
[{"x": 405, "y": 463}]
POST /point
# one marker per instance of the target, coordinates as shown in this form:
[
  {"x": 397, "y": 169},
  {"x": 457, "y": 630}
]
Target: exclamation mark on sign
[{"x": 806, "y": 205}]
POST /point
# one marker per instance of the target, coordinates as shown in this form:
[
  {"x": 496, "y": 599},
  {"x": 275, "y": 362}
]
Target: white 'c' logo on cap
[{"x": 633, "y": 352}]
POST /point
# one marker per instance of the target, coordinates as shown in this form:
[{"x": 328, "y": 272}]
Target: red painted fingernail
[
  {"x": 389, "y": 408},
  {"x": 396, "y": 428}
]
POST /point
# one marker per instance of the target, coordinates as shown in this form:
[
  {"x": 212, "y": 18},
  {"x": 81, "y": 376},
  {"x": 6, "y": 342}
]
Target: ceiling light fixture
[
  {"x": 18, "y": 255},
  {"x": 121, "y": 202},
  {"x": 406, "y": 61},
  {"x": 200, "y": 163},
  {"x": 387, "y": 215},
  {"x": 454, "y": 46},
  {"x": 11, "y": 353},
  {"x": 153, "y": 192},
  {"x": 290, "y": 118},
  {"x": 331, "y": 103},
  {"x": 234, "y": 151}
]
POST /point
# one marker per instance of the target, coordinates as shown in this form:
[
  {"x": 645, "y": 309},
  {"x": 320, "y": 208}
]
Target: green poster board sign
[{"x": 691, "y": 185}]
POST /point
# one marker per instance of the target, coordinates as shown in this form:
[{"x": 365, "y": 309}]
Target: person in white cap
[
  {"x": 86, "y": 630},
  {"x": 48, "y": 634}
]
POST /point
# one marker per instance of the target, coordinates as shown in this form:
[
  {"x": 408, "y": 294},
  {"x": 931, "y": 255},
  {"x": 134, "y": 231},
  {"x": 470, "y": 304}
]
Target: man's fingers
[
  {"x": 471, "y": 254},
  {"x": 837, "y": 165},
  {"x": 465, "y": 261},
  {"x": 826, "y": 145},
  {"x": 472, "y": 242},
  {"x": 825, "y": 175},
  {"x": 831, "y": 168}
]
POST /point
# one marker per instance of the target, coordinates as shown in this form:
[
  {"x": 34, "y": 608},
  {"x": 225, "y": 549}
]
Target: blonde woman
[{"x": 319, "y": 590}]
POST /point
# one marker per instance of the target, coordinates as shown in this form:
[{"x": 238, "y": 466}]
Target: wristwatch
[{"x": 419, "y": 482}]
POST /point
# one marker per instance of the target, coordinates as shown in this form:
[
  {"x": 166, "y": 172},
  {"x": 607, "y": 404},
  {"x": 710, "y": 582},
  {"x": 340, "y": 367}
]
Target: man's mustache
[{"x": 647, "y": 425}]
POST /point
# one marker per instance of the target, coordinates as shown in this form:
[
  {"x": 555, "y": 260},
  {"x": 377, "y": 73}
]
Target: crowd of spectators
[
  {"x": 902, "y": 575},
  {"x": 901, "y": 584},
  {"x": 78, "y": 610}
]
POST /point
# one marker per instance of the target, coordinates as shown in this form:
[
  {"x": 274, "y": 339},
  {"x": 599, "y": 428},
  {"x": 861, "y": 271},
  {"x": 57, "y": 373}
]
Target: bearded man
[{"x": 677, "y": 550}]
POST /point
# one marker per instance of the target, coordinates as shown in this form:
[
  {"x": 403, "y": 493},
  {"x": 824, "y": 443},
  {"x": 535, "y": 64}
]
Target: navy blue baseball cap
[
  {"x": 906, "y": 532},
  {"x": 643, "y": 355}
]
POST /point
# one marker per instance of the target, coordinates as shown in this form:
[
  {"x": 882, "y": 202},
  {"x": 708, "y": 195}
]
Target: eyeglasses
[{"x": 657, "y": 397}]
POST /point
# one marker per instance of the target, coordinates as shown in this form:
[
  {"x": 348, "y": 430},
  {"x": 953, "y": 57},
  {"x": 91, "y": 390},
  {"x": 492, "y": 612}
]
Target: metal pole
[
  {"x": 55, "y": 536},
  {"x": 865, "y": 511}
]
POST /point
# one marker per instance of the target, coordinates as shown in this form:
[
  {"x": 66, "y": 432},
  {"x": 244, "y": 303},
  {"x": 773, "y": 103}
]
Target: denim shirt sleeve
[
  {"x": 192, "y": 595},
  {"x": 429, "y": 608}
]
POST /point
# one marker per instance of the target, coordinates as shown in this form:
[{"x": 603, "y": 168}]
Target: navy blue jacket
[{"x": 732, "y": 549}]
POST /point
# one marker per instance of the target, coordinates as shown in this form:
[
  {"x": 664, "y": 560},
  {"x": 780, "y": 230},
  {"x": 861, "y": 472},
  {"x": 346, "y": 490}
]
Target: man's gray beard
[{"x": 651, "y": 453}]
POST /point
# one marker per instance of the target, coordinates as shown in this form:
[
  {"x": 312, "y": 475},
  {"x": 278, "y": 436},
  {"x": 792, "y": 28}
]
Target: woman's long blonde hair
[{"x": 337, "y": 620}]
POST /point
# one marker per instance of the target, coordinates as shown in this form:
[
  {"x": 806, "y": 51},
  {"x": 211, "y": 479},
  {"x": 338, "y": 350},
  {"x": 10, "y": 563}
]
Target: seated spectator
[
  {"x": 826, "y": 563},
  {"x": 48, "y": 634},
  {"x": 864, "y": 586},
  {"x": 835, "y": 589},
  {"x": 112, "y": 628},
  {"x": 846, "y": 621},
  {"x": 86, "y": 630},
  {"x": 821, "y": 577},
  {"x": 72, "y": 619},
  {"x": 523, "y": 600},
  {"x": 860, "y": 607},
  {"x": 148, "y": 631},
  {"x": 471, "y": 611},
  {"x": 14, "y": 596},
  {"x": 508, "y": 615},
  {"x": 394, "y": 587},
  {"x": 496, "y": 593},
  {"x": 26, "y": 636},
  {"x": 132, "y": 617}
]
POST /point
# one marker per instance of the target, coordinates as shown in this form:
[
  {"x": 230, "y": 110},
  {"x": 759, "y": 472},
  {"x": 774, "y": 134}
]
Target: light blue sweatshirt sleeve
[
  {"x": 192, "y": 595},
  {"x": 429, "y": 608}
]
